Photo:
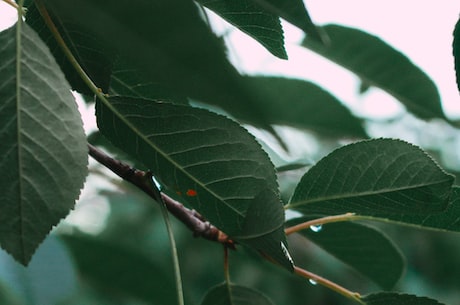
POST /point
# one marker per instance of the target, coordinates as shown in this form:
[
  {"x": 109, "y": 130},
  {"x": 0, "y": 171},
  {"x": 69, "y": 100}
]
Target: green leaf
[
  {"x": 213, "y": 163},
  {"x": 456, "y": 52},
  {"x": 294, "y": 12},
  {"x": 44, "y": 152},
  {"x": 363, "y": 248},
  {"x": 120, "y": 270},
  {"x": 391, "y": 298},
  {"x": 380, "y": 65},
  {"x": 302, "y": 104},
  {"x": 379, "y": 178},
  {"x": 447, "y": 220},
  {"x": 254, "y": 21},
  {"x": 229, "y": 294},
  {"x": 167, "y": 42},
  {"x": 89, "y": 49}
]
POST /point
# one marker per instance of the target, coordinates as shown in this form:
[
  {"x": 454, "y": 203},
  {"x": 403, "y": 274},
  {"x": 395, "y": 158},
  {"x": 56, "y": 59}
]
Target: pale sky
[{"x": 420, "y": 29}]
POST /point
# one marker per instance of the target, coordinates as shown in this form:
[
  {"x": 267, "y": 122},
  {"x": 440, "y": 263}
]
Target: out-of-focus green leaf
[
  {"x": 90, "y": 50},
  {"x": 294, "y": 12},
  {"x": 168, "y": 42},
  {"x": 7, "y": 297},
  {"x": 391, "y": 298},
  {"x": 43, "y": 145},
  {"x": 254, "y": 21},
  {"x": 456, "y": 52},
  {"x": 209, "y": 160},
  {"x": 119, "y": 270},
  {"x": 380, "y": 65},
  {"x": 302, "y": 104},
  {"x": 229, "y": 294},
  {"x": 363, "y": 248},
  {"x": 378, "y": 178}
]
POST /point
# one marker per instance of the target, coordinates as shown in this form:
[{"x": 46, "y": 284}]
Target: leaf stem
[
  {"x": 226, "y": 266},
  {"x": 327, "y": 283},
  {"x": 320, "y": 221},
  {"x": 175, "y": 256}
]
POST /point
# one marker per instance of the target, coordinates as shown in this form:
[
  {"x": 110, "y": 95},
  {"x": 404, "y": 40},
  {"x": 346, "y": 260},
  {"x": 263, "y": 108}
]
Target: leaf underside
[
  {"x": 254, "y": 21},
  {"x": 44, "y": 152},
  {"x": 365, "y": 249},
  {"x": 377, "y": 178},
  {"x": 213, "y": 163},
  {"x": 380, "y": 65}
]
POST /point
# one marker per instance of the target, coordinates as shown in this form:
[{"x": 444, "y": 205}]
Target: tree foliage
[{"x": 173, "y": 116}]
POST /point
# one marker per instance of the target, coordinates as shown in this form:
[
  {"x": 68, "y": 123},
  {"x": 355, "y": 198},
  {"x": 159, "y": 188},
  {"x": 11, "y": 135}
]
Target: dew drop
[
  {"x": 316, "y": 228},
  {"x": 157, "y": 184},
  {"x": 313, "y": 282}
]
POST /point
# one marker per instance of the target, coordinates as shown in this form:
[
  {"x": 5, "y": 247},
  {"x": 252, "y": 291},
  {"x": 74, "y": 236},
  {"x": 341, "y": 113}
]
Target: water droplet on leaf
[
  {"x": 316, "y": 228},
  {"x": 313, "y": 282}
]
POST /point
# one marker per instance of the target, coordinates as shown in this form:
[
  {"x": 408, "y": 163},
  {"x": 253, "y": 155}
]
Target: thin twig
[
  {"x": 327, "y": 283},
  {"x": 12, "y": 3},
  {"x": 320, "y": 221},
  {"x": 143, "y": 180}
]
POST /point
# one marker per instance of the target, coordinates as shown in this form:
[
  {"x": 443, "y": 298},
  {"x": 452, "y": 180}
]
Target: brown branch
[{"x": 143, "y": 180}]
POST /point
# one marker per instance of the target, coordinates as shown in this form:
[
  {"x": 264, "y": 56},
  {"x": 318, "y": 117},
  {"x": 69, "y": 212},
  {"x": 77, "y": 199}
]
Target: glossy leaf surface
[
  {"x": 302, "y": 104},
  {"x": 391, "y": 298},
  {"x": 365, "y": 249},
  {"x": 229, "y": 294},
  {"x": 380, "y": 65},
  {"x": 209, "y": 160},
  {"x": 43, "y": 146},
  {"x": 379, "y": 178},
  {"x": 254, "y": 21}
]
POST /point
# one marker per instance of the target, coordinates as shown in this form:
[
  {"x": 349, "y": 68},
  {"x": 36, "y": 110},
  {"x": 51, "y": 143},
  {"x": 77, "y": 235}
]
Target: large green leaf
[
  {"x": 302, "y": 104},
  {"x": 380, "y": 178},
  {"x": 391, "y": 298},
  {"x": 209, "y": 160},
  {"x": 380, "y": 65},
  {"x": 254, "y": 21},
  {"x": 456, "y": 52},
  {"x": 294, "y": 12},
  {"x": 229, "y": 294},
  {"x": 363, "y": 248},
  {"x": 119, "y": 270},
  {"x": 43, "y": 145}
]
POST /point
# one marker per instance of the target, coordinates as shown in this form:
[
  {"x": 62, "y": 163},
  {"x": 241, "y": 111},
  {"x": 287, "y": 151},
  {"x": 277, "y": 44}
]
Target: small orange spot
[{"x": 191, "y": 193}]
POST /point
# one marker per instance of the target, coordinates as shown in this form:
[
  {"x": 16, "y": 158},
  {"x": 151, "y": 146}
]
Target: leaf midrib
[
  {"x": 362, "y": 194},
  {"x": 165, "y": 155}
]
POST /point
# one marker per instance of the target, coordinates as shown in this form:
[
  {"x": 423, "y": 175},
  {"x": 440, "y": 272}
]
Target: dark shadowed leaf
[
  {"x": 43, "y": 146},
  {"x": 363, "y": 248},
  {"x": 120, "y": 270},
  {"x": 90, "y": 50},
  {"x": 456, "y": 52},
  {"x": 209, "y": 160},
  {"x": 228, "y": 294},
  {"x": 379, "y": 178},
  {"x": 380, "y": 65},
  {"x": 294, "y": 12},
  {"x": 167, "y": 42},
  {"x": 254, "y": 21},
  {"x": 302, "y": 104},
  {"x": 391, "y": 298}
]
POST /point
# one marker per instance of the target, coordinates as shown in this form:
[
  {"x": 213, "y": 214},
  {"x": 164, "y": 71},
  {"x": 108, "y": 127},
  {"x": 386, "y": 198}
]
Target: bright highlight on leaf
[
  {"x": 43, "y": 146},
  {"x": 378, "y": 178}
]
